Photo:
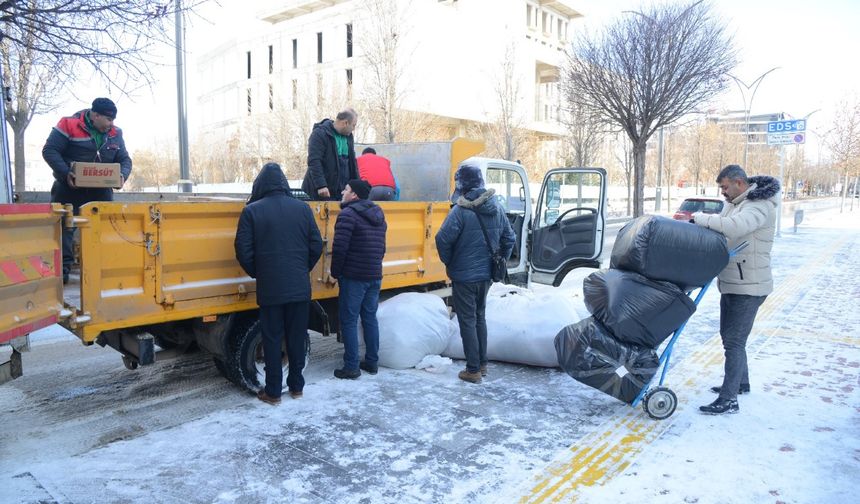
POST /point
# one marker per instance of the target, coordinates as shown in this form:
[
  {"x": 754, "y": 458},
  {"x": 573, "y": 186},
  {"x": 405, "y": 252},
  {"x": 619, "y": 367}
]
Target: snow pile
[
  {"x": 522, "y": 324},
  {"x": 411, "y": 326},
  {"x": 434, "y": 364}
]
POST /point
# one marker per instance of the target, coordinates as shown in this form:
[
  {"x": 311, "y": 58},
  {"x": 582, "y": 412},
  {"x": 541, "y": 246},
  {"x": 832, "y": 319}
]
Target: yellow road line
[{"x": 606, "y": 452}]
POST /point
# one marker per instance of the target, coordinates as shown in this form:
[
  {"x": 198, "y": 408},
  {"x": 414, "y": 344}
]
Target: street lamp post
[{"x": 747, "y": 107}]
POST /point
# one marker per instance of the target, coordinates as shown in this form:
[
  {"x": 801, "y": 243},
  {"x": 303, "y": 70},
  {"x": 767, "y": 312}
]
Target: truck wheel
[{"x": 248, "y": 367}]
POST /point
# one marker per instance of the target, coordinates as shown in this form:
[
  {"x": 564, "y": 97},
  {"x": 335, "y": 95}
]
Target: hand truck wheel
[{"x": 659, "y": 403}]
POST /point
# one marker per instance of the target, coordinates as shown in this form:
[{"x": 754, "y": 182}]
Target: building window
[
  {"x": 544, "y": 20},
  {"x": 295, "y": 53},
  {"x": 248, "y": 59},
  {"x": 319, "y": 47},
  {"x": 249, "y": 101},
  {"x": 319, "y": 89},
  {"x": 271, "y": 97},
  {"x": 349, "y": 83},
  {"x": 349, "y": 40},
  {"x": 295, "y": 94},
  {"x": 271, "y": 59},
  {"x": 528, "y": 15}
]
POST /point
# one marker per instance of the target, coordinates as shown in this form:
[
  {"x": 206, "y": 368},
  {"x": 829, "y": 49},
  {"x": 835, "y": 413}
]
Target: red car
[{"x": 692, "y": 205}]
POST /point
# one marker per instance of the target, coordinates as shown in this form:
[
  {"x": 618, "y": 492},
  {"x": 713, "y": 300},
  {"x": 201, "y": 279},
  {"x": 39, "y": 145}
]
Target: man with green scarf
[{"x": 331, "y": 156}]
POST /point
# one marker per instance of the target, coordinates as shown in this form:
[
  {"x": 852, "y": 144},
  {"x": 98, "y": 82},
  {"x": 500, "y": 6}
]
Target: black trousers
[
  {"x": 277, "y": 322},
  {"x": 470, "y": 304},
  {"x": 737, "y": 315}
]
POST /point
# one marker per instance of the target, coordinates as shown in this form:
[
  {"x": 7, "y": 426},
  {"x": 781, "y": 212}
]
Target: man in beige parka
[{"x": 749, "y": 216}]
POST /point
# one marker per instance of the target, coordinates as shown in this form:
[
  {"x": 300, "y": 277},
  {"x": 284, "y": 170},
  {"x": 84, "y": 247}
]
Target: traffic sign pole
[{"x": 781, "y": 190}]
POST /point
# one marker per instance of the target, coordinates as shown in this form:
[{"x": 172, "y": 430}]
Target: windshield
[{"x": 692, "y": 206}]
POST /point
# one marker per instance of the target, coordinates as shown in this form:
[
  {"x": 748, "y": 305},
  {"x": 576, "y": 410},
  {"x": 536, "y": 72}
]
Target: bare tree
[
  {"x": 505, "y": 133},
  {"x": 585, "y": 132},
  {"x": 44, "y": 43},
  {"x": 382, "y": 48},
  {"x": 843, "y": 141},
  {"x": 704, "y": 153},
  {"x": 648, "y": 69},
  {"x": 114, "y": 37},
  {"x": 623, "y": 152},
  {"x": 155, "y": 166},
  {"x": 34, "y": 81}
]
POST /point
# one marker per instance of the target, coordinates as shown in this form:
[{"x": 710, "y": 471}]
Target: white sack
[
  {"x": 522, "y": 324},
  {"x": 411, "y": 326}
]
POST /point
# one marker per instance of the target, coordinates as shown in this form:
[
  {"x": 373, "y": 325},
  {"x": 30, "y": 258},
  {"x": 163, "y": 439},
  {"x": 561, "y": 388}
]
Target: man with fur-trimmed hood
[
  {"x": 463, "y": 248},
  {"x": 749, "y": 216}
]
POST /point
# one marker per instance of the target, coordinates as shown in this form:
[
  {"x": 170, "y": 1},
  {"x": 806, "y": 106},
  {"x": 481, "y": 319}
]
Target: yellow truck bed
[{"x": 150, "y": 263}]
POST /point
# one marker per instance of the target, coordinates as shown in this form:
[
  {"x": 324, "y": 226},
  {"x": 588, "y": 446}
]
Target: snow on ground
[{"x": 525, "y": 434}]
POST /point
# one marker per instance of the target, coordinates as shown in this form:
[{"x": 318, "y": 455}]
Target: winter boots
[
  {"x": 371, "y": 369},
  {"x": 266, "y": 398},
  {"x": 347, "y": 374},
  {"x": 720, "y": 406},
  {"x": 470, "y": 377}
]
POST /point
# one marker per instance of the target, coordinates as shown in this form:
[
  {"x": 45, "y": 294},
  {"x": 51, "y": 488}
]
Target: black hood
[
  {"x": 368, "y": 211},
  {"x": 270, "y": 180},
  {"x": 765, "y": 187},
  {"x": 326, "y": 125}
]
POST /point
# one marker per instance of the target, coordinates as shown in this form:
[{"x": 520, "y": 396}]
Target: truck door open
[{"x": 568, "y": 226}]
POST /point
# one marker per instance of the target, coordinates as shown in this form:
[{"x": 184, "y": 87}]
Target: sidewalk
[
  {"x": 526, "y": 434},
  {"x": 798, "y": 428}
]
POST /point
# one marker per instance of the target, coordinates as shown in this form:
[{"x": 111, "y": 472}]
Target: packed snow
[{"x": 421, "y": 435}]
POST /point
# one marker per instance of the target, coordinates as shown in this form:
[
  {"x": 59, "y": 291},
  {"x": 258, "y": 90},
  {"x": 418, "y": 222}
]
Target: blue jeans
[
  {"x": 359, "y": 298},
  {"x": 470, "y": 304},
  {"x": 737, "y": 314}
]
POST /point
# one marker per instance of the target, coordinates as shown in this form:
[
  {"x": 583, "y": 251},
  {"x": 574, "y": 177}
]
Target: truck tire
[{"x": 245, "y": 366}]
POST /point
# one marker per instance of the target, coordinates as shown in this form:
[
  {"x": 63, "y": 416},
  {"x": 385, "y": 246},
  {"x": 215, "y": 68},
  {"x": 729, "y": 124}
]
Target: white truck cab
[{"x": 559, "y": 231}]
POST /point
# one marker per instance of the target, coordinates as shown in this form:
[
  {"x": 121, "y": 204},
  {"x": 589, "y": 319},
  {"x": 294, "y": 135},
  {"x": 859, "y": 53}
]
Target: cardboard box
[{"x": 97, "y": 174}]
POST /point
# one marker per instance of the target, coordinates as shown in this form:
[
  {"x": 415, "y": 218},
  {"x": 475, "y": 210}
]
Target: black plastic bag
[
  {"x": 635, "y": 309},
  {"x": 588, "y": 353},
  {"x": 666, "y": 249}
]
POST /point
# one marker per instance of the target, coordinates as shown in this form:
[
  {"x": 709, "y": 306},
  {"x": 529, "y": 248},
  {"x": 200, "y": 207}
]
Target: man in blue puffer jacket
[
  {"x": 356, "y": 263},
  {"x": 463, "y": 249}
]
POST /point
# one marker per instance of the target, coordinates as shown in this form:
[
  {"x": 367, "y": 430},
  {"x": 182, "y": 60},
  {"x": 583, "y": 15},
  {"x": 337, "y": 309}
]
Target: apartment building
[{"x": 304, "y": 59}]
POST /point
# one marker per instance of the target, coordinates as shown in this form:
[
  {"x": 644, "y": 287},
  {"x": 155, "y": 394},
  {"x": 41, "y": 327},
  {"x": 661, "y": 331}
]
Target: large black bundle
[
  {"x": 588, "y": 353},
  {"x": 636, "y": 309},
  {"x": 666, "y": 249}
]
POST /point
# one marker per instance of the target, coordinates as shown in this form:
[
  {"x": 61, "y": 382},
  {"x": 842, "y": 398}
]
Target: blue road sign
[{"x": 786, "y": 126}]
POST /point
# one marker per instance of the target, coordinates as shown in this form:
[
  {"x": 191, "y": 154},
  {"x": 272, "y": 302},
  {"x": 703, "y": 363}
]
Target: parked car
[{"x": 692, "y": 205}]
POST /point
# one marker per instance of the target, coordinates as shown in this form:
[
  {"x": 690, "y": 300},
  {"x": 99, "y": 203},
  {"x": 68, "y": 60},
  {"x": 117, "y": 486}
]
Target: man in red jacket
[{"x": 376, "y": 170}]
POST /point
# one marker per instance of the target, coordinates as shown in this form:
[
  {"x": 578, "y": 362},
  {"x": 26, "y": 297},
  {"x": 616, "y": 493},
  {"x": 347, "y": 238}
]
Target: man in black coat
[
  {"x": 356, "y": 263},
  {"x": 278, "y": 243},
  {"x": 86, "y": 136},
  {"x": 331, "y": 156}
]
